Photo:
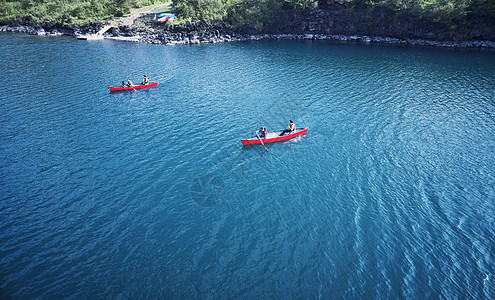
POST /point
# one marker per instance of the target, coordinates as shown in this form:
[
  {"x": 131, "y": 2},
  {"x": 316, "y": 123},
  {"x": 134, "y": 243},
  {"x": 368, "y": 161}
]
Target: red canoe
[
  {"x": 132, "y": 88},
  {"x": 274, "y": 137}
]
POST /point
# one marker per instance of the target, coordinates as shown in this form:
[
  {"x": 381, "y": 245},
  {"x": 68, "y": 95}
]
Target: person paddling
[
  {"x": 292, "y": 128},
  {"x": 145, "y": 80},
  {"x": 123, "y": 84},
  {"x": 129, "y": 82},
  {"x": 262, "y": 132}
]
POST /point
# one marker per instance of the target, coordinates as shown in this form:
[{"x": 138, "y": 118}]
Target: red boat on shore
[
  {"x": 274, "y": 137},
  {"x": 132, "y": 88}
]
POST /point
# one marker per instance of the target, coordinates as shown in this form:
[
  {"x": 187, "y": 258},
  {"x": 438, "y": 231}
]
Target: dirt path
[{"x": 129, "y": 20}]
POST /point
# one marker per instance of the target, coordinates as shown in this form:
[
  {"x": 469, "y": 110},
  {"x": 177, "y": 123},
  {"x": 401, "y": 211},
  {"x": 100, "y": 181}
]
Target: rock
[
  {"x": 475, "y": 33},
  {"x": 314, "y": 26},
  {"x": 193, "y": 35},
  {"x": 430, "y": 35},
  {"x": 251, "y": 30}
]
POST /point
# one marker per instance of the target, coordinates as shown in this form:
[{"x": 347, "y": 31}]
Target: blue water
[{"x": 150, "y": 194}]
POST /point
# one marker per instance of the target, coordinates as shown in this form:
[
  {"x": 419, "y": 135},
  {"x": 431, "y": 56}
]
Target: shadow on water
[
  {"x": 130, "y": 91},
  {"x": 208, "y": 189},
  {"x": 260, "y": 148}
]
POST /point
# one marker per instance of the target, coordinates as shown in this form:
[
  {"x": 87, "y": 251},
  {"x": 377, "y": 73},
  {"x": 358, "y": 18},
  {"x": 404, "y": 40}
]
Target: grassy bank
[{"x": 78, "y": 12}]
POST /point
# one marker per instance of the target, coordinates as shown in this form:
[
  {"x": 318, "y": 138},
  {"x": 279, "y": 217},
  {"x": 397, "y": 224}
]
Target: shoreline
[
  {"x": 342, "y": 38},
  {"x": 213, "y": 35}
]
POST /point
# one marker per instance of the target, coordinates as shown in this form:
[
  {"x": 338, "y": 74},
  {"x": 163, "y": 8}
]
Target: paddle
[
  {"x": 132, "y": 86},
  {"x": 261, "y": 141}
]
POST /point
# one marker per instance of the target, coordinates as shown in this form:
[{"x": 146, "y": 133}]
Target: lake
[{"x": 150, "y": 193}]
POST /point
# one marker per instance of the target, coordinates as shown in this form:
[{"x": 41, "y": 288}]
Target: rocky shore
[
  {"x": 320, "y": 25},
  {"x": 35, "y": 30},
  {"x": 215, "y": 36},
  {"x": 49, "y": 29}
]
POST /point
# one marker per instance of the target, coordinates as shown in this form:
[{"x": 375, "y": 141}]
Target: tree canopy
[
  {"x": 68, "y": 11},
  {"x": 258, "y": 12},
  {"x": 236, "y": 13}
]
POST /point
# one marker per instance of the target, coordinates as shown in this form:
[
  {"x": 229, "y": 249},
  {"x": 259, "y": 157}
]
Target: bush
[
  {"x": 239, "y": 14},
  {"x": 75, "y": 11}
]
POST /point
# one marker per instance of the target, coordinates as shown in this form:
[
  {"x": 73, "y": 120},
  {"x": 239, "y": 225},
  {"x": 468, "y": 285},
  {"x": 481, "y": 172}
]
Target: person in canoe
[
  {"x": 292, "y": 128},
  {"x": 262, "y": 132},
  {"x": 123, "y": 84},
  {"x": 145, "y": 80},
  {"x": 129, "y": 82}
]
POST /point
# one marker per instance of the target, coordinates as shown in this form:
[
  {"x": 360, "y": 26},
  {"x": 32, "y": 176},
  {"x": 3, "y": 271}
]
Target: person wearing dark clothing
[
  {"x": 262, "y": 132},
  {"x": 292, "y": 128},
  {"x": 145, "y": 80}
]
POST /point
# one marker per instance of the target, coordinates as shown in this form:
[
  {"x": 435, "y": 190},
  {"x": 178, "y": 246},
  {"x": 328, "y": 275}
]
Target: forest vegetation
[
  {"x": 78, "y": 12},
  {"x": 260, "y": 12},
  {"x": 234, "y": 13}
]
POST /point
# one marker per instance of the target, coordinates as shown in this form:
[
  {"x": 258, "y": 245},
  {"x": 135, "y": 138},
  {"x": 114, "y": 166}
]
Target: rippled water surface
[{"x": 150, "y": 194}]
